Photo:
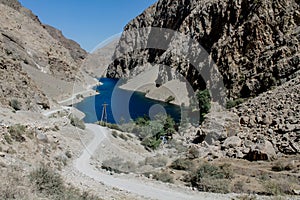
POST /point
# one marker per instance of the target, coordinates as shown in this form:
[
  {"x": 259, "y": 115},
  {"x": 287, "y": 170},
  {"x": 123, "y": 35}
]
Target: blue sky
[{"x": 88, "y": 22}]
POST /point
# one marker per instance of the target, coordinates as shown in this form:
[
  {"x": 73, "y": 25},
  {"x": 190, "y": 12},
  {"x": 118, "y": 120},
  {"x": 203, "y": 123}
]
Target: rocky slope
[
  {"x": 30, "y": 50},
  {"x": 255, "y": 44},
  {"x": 262, "y": 128}
]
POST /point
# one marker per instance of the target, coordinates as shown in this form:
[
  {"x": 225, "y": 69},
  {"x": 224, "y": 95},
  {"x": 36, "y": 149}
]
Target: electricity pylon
[{"x": 104, "y": 113}]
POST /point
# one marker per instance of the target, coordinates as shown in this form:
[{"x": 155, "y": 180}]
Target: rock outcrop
[{"x": 255, "y": 44}]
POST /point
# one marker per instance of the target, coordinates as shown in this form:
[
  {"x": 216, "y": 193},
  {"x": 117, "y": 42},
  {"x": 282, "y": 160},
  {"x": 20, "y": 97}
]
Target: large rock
[
  {"x": 262, "y": 151},
  {"x": 42, "y": 137},
  {"x": 220, "y": 125},
  {"x": 232, "y": 142}
]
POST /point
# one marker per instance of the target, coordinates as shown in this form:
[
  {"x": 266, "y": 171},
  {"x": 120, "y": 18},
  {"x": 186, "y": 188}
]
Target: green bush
[
  {"x": 204, "y": 102},
  {"x": 233, "y": 103},
  {"x": 15, "y": 104},
  {"x": 142, "y": 121},
  {"x": 151, "y": 131},
  {"x": 151, "y": 142},
  {"x": 75, "y": 121}
]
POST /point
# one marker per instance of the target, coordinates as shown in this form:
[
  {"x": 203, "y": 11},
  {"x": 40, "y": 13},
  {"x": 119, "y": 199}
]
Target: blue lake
[{"x": 123, "y": 105}]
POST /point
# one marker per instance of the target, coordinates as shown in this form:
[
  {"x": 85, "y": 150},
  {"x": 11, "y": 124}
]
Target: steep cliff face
[
  {"x": 26, "y": 45},
  {"x": 77, "y": 53},
  {"x": 255, "y": 44}
]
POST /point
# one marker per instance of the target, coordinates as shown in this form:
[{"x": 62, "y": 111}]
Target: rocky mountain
[
  {"x": 38, "y": 64},
  {"x": 255, "y": 46}
]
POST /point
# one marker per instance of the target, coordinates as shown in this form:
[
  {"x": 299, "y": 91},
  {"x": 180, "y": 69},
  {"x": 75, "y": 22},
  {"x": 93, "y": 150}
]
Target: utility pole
[{"x": 104, "y": 113}]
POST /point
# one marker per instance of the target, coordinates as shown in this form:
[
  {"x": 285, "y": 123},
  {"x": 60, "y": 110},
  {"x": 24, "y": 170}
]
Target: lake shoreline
[{"x": 131, "y": 105}]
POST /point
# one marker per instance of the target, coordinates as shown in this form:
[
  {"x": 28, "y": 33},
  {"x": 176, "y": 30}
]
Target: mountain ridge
[{"x": 37, "y": 50}]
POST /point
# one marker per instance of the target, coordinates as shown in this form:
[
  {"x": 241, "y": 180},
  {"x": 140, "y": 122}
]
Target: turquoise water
[{"x": 123, "y": 105}]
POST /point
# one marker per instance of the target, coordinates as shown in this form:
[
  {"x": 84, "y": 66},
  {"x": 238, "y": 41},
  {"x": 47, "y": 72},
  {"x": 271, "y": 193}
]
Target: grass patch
[{"x": 278, "y": 187}]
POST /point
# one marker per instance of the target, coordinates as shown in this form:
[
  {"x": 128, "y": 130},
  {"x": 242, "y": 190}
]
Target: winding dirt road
[{"x": 135, "y": 186}]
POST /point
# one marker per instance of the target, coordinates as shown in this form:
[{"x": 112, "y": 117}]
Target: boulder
[
  {"x": 220, "y": 125},
  {"x": 42, "y": 137},
  {"x": 261, "y": 151}
]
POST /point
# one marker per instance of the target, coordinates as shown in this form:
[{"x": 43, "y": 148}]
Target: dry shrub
[
  {"x": 182, "y": 164},
  {"x": 156, "y": 162},
  {"x": 278, "y": 187},
  {"x": 163, "y": 177},
  {"x": 118, "y": 165},
  {"x": 211, "y": 178}
]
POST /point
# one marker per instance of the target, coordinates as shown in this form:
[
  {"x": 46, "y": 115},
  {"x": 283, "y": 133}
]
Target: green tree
[{"x": 204, "y": 99}]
